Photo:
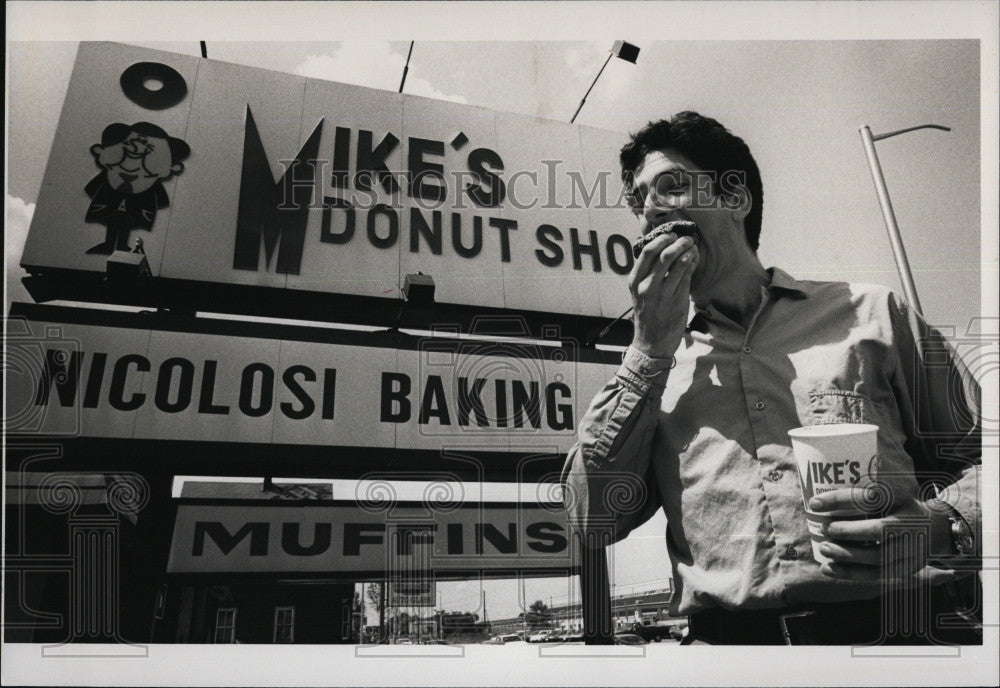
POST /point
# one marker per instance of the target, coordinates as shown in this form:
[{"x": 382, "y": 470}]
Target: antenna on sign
[
  {"x": 406, "y": 67},
  {"x": 623, "y": 51}
]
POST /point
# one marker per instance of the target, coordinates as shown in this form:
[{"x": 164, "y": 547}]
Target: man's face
[
  {"x": 670, "y": 187},
  {"x": 138, "y": 160}
]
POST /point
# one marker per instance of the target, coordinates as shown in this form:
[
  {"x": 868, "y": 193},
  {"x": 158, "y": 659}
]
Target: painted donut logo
[
  {"x": 153, "y": 85},
  {"x": 135, "y": 160}
]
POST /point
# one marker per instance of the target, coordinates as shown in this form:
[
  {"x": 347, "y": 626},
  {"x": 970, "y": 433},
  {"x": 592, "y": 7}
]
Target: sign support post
[{"x": 595, "y": 588}]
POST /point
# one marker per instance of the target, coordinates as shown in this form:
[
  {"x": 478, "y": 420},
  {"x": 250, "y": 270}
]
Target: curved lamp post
[{"x": 898, "y": 251}]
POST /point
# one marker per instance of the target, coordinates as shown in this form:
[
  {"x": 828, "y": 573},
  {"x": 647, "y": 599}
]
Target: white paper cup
[{"x": 833, "y": 457}]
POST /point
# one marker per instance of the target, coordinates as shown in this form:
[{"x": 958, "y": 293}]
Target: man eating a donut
[{"x": 726, "y": 358}]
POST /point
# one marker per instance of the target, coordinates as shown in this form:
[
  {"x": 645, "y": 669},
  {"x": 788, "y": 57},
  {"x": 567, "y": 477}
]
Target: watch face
[{"x": 961, "y": 537}]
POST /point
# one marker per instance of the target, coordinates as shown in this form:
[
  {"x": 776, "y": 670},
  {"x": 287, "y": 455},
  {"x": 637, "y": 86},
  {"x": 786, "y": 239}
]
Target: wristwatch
[{"x": 962, "y": 540}]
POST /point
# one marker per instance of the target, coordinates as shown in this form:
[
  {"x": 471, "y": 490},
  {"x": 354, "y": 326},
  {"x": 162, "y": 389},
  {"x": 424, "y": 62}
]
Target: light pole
[
  {"x": 362, "y": 624},
  {"x": 898, "y": 251},
  {"x": 614, "y": 624},
  {"x": 622, "y": 50}
]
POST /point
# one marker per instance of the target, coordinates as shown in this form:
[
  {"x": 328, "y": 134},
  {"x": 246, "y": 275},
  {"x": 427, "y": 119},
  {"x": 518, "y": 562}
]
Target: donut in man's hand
[{"x": 678, "y": 227}]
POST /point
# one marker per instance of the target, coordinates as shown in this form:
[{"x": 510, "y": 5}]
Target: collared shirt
[{"x": 705, "y": 437}]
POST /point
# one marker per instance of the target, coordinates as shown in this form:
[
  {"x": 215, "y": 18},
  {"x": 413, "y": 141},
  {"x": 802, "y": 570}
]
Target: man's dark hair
[{"x": 707, "y": 144}]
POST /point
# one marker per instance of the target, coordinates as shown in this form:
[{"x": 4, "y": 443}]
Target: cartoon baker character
[{"x": 135, "y": 160}]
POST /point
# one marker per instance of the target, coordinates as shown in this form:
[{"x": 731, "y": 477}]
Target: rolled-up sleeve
[
  {"x": 940, "y": 402},
  {"x": 608, "y": 476}
]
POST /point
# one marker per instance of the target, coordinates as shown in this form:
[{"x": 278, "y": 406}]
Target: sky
[{"x": 797, "y": 103}]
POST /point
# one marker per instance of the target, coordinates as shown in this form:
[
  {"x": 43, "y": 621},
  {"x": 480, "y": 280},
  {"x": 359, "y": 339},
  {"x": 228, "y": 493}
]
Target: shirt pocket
[{"x": 828, "y": 406}]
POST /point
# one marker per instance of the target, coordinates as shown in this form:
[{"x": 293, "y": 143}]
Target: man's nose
[{"x": 656, "y": 213}]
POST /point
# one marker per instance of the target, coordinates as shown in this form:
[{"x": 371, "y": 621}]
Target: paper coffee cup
[{"x": 833, "y": 457}]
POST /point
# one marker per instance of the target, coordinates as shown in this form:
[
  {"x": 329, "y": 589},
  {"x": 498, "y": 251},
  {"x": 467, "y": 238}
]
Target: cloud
[
  {"x": 374, "y": 65},
  {"x": 586, "y": 58},
  {"x": 18, "y": 219}
]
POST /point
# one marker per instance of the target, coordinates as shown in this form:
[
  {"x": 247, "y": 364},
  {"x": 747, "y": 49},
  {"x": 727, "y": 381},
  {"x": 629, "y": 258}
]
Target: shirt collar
[{"x": 781, "y": 282}]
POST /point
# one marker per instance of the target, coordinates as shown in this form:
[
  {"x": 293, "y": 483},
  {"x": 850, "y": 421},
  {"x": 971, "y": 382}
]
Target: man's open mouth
[
  {"x": 678, "y": 227},
  {"x": 129, "y": 177}
]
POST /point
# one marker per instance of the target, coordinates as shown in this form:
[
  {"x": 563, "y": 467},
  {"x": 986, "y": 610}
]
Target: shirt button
[
  {"x": 747, "y": 349},
  {"x": 760, "y": 405},
  {"x": 790, "y": 553},
  {"x": 774, "y": 476}
]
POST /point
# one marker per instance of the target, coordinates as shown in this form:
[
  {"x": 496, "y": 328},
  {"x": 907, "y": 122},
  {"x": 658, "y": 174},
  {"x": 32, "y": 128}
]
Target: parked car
[
  {"x": 567, "y": 637},
  {"x": 542, "y": 636},
  {"x": 651, "y": 633},
  {"x": 679, "y": 632},
  {"x": 628, "y": 639}
]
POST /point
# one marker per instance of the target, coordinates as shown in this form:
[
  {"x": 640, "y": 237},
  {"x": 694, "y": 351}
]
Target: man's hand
[
  {"x": 660, "y": 284},
  {"x": 859, "y": 548}
]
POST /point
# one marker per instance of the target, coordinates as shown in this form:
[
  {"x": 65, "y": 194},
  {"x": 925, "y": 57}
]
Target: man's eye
[{"x": 672, "y": 191}]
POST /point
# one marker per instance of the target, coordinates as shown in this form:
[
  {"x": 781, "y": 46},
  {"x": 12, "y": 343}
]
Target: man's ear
[
  {"x": 735, "y": 195},
  {"x": 176, "y": 168},
  {"x": 738, "y": 202},
  {"x": 96, "y": 149}
]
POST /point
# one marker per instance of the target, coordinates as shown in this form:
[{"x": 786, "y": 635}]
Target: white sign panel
[
  {"x": 339, "y": 538},
  {"x": 244, "y": 176},
  {"x": 269, "y": 385}
]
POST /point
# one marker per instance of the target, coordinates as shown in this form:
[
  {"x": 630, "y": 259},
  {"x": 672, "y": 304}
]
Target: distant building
[
  {"x": 647, "y": 607},
  {"x": 242, "y": 611}
]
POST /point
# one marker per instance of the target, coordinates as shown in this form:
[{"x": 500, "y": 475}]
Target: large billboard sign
[
  {"x": 243, "y": 176},
  {"x": 104, "y": 374},
  {"x": 407, "y": 541}
]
